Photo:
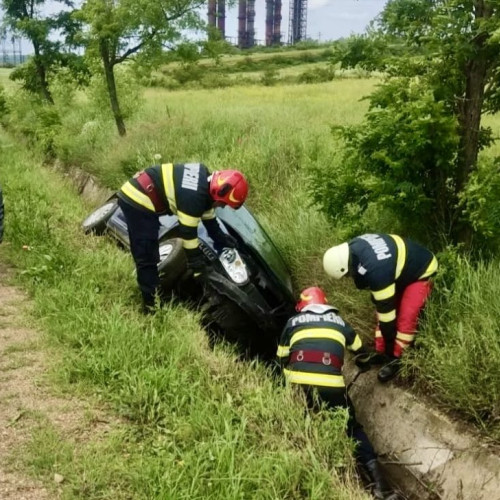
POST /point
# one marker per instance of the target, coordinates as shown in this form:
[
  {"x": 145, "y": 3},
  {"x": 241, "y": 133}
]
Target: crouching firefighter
[
  {"x": 311, "y": 353},
  {"x": 192, "y": 193},
  {"x": 398, "y": 273}
]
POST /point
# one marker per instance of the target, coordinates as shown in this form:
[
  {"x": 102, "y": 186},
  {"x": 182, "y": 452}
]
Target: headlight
[{"x": 234, "y": 265}]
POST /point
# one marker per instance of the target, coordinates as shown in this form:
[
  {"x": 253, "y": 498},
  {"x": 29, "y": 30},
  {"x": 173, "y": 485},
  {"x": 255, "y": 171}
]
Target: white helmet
[{"x": 336, "y": 261}]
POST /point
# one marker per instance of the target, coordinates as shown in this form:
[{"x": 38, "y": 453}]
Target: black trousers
[
  {"x": 338, "y": 398},
  {"x": 143, "y": 230}
]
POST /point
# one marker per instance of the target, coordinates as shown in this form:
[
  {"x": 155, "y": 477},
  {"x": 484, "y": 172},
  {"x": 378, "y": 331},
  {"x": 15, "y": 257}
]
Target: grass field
[
  {"x": 277, "y": 136},
  {"x": 194, "y": 422}
]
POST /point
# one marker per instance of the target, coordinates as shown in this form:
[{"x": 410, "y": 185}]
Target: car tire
[
  {"x": 224, "y": 319},
  {"x": 95, "y": 223},
  {"x": 173, "y": 263}
]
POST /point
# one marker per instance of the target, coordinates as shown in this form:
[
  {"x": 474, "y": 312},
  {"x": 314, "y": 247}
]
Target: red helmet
[
  {"x": 312, "y": 295},
  {"x": 229, "y": 187}
]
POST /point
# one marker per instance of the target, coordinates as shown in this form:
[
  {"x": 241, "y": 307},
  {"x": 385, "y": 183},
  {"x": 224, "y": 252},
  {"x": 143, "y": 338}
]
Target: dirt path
[{"x": 26, "y": 400}]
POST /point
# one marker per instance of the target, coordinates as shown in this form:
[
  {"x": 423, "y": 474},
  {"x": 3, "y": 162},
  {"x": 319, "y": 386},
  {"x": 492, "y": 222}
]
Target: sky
[{"x": 326, "y": 19}]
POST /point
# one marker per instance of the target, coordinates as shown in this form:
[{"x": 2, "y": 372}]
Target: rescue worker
[
  {"x": 397, "y": 271},
  {"x": 189, "y": 191},
  {"x": 311, "y": 354},
  {"x": 1, "y": 215}
]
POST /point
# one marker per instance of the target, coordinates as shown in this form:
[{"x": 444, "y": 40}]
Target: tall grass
[
  {"x": 195, "y": 422},
  {"x": 459, "y": 355}
]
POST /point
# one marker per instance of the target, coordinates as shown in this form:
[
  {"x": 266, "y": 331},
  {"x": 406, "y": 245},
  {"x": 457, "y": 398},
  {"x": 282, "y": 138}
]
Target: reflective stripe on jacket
[
  {"x": 184, "y": 189},
  {"x": 316, "y": 331},
  {"x": 386, "y": 264}
]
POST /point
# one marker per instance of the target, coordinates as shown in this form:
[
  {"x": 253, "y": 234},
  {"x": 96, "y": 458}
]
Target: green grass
[
  {"x": 459, "y": 355},
  {"x": 4, "y": 79},
  {"x": 277, "y": 135},
  {"x": 195, "y": 422}
]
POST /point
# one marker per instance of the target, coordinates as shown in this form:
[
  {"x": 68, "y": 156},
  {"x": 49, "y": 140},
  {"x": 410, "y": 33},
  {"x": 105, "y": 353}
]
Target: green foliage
[
  {"x": 216, "y": 81},
  {"x": 31, "y": 117},
  {"x": 317, "y": 75},
  {"x": 482, "y": 206},
  {"x": 128, "y": 91},
  {"x": 26, "y": 17},
  {"x": 269, "y": 77},
  {"x": 112, "y": 25},
  {"x": 189, "y": 72},
  {"x": 3, "y": 104},
  {"x": 215, "y": 46},
  {"x": 365, "y": 51},
  {"x": 401, "y": 159},
  {"x": 73, "y": 68},
  {"x": 27, "y": 74},
  {"x": 419, "y": 145}
]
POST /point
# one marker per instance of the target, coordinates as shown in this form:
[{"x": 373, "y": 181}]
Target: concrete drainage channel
[{"x": 424, "y": 453}]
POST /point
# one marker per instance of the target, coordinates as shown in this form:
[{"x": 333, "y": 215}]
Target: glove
[
  {"x": 225, "y": 240},
  {"x": 196, "y": 264}
]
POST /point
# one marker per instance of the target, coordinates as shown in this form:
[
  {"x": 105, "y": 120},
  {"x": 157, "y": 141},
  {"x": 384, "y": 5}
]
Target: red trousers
[{"x": 409, "y": 304}]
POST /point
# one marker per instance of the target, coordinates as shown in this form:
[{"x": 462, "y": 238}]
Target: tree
[
  {"x": 418, "y": 148},
  {"x": 119, "y": 30},
  {"x": 24, "y": 17}
]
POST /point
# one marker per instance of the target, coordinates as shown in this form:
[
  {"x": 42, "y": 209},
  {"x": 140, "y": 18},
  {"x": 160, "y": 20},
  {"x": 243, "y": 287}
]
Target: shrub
[
  {"x": 3, "y": 104},
  {"x": 188, "y": 73},
  {"x": 481, "y": 199},
  {"x": 401, "y": 158},
  {"x": 317, "y": 75},
  {"x": 269, "y": 78},
  {"x": 34, "y": 119},
  {"x": 216, "y": 80}
]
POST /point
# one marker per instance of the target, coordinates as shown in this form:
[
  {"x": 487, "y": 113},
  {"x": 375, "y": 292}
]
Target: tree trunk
[
  {"x": 42, "y": 74},
  {"x": 111, "y": 84},
  {"x": 469, "y": 117}
]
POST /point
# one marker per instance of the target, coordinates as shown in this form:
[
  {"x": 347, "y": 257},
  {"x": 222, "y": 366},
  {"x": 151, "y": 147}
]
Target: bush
[
  {"x": 3, "y": 104},
  {"x": 317, "y": 75},
  {"x": 186, "y": 73},
  {"x": 269, "y": 78},
  {"x": 216, "y": 80},
  {"x": 401, "y": 158},
  {"x": 481, "y": 199},
  {"x": 34, "y": 119}
]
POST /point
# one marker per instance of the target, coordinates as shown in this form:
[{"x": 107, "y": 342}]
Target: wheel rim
[
  {"x": 99, "y": 214},
  {"x": 165, "y": 251}
]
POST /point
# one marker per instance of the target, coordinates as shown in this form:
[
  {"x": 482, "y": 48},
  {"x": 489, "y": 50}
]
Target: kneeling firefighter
[
  {"x": 189, "y": 191},
  {"x": 311, "y": 353}
]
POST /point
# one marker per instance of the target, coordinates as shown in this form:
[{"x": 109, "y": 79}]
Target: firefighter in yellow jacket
[
  {"x": 311, "y": 353},
  {"x": 397, "y": 271},
  {"x": 187, "y": 190}
]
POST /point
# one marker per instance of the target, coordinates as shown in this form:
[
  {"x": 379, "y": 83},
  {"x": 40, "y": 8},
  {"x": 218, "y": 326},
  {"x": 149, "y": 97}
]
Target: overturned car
[{"x": 247, "y": 294}]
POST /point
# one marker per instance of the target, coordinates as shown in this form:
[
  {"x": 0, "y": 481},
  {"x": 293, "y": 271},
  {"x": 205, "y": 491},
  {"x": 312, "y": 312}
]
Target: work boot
[
  {"x": 379, "y": 487},
  {"x": 390, "y": 370}
]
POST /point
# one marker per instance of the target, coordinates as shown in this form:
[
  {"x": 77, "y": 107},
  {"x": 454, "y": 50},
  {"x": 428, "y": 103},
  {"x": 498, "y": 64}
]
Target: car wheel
[
  {"x": 173, "y": 263},
  {"x": 96, "y": 221},
  {"x": 225, "y": 319}
]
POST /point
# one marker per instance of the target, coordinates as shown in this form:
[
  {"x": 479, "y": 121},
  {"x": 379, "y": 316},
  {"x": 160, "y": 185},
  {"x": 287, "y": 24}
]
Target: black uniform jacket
[
  {"x": 184, "y": 189},
  {"x": 386, "y": 264},
  {"x": 318, "y": 329}
]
